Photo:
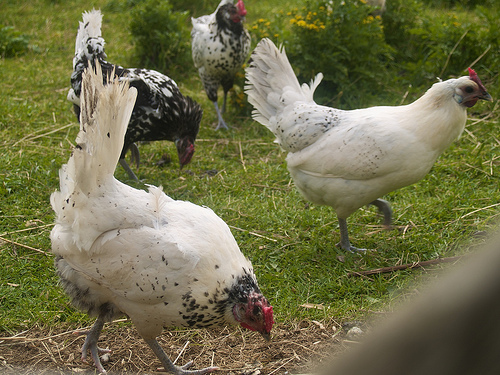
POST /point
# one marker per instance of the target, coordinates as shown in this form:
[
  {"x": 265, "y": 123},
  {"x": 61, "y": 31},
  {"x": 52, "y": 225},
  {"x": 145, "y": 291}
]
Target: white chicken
[
  {"x": 123, "y": 251},
  {"x": 348, "y": 159},
  {"x": 220, "y": 45}
]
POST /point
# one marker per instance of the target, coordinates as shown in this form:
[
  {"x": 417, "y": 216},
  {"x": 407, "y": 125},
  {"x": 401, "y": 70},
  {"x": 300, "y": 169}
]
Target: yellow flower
[
  {"x": 301, "y": 23},
  {"x": 261, "y": 20}
]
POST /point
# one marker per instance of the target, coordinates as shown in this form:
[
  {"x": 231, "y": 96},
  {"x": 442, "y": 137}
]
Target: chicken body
[
  {"x": 220, "y": 45},
  {"x": 348, "y": 159},
  {"x": 122, "y": 251},
  {"x": 161, "y": 111}
]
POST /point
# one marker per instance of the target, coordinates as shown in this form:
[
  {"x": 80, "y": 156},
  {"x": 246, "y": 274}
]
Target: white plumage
[
  {"x": 123, "y": 251},
  {"x": 347, "y": 159}
]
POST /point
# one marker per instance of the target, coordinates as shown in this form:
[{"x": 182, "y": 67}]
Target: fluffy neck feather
[{"x": 436, "y": 116}]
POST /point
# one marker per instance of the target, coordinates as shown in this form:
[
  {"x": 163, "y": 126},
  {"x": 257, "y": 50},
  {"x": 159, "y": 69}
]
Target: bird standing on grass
[
  {"x": 161, "y": 111},
  {"x": 220, "y": 46},
  {"x": 348, "y": 159},
  {"x": 122, "y": 251}
]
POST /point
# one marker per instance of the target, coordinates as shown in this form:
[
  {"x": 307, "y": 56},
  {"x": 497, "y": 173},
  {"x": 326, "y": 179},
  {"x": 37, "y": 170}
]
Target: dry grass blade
[
  {"x": 252, "y": 233},
  {"x": 25, "y": 246},
  {"x": 32, "y": 137},
  {"x": 233, "y": 351}
]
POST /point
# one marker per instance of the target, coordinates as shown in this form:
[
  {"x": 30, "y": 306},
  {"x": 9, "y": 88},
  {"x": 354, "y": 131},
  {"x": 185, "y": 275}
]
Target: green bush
[
  {"x": 340, "y": 39},
  {"x": 161, "y": 36},
  {"x": 12, "y": 42},
  {"x": 430, "y": 43},
  {"x": 346, "y": 43},
  {"x": 459, "y": 3}
]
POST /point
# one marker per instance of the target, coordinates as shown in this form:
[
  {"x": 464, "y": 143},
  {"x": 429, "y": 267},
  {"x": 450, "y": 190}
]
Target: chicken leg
[
  {"x": 221, "y": 123},
  {"x": 135, "y": 159},
  {"x": 385, "y": 209},
  {"x": 91, "y": 344},
  {"x": 169, "y": 366},
  {"x": 383, "y": 206}
]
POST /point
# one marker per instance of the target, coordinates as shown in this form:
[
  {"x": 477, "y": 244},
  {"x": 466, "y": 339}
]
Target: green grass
[{"x": 290, "y": 242}]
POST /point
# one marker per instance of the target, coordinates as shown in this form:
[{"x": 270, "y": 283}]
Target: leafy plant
[
  {"x": 161, "y": 36},
  {"x": 12, "y": 43},
  {"x": 346, "y": 43}
]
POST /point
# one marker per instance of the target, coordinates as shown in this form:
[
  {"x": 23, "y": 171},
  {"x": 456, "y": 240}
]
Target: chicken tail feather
[
  {"x": 272, "y": 85},
  {"x": 89, "y": 41},
  {"x": 105, "y": 113}
]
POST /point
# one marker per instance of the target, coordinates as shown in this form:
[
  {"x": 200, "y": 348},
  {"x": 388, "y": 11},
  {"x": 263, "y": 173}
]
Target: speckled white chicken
[
  {"x": 220, "y": 45},
  {"x": 348, "y": 159},
  {"x": 123, "y": 251}
]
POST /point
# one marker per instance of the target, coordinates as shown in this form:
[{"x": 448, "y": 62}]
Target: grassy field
[{"x": 241, "y": 174}]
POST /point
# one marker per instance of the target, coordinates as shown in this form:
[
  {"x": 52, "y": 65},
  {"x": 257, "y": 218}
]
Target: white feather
[{"x": 347, "y": 159}]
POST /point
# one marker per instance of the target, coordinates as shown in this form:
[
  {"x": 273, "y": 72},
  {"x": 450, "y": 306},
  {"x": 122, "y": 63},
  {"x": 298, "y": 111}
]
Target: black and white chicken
[
  {"x": 348, "y": 159},
  {"x": 122, "y": 251},
  {"x": 220, "y": 45},
  {"x": 161, "y": 111}
]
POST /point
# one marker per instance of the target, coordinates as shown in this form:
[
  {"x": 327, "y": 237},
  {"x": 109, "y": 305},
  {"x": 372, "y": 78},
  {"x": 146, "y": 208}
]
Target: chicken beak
[
  {"x": 486, "y": 96},
  {"x": 266, "y": 336}
]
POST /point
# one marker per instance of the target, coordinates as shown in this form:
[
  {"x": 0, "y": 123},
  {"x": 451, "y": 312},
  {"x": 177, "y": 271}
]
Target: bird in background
[
  {"x": 220, "y": 45},
  {"x": 350, "y": 158},
  {"x": 122, "y": 251},
  {"x": 161, "y": 111}
]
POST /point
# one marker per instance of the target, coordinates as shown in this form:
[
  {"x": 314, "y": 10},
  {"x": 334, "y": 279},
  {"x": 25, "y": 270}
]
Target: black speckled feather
[{"x": 161, "y": 112}]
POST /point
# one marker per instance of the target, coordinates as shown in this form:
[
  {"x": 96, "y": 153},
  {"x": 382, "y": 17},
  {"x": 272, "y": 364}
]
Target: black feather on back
[{"x": 161, "y": 112}]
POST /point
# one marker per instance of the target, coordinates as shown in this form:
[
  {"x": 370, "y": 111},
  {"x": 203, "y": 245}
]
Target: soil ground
[{"x": 295, "y": 348}]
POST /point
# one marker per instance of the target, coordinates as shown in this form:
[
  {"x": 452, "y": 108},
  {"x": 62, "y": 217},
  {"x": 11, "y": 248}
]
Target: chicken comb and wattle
[
  {"x": 350, "y": 158},
  {"x": 153, "y": 267}
]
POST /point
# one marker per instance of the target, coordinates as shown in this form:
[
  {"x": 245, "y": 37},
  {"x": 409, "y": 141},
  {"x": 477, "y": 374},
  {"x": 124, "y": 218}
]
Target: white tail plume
[
  {"x": 272, "y": 84},
  {"x": 89, "y": 41},
  {"x": 105, "y": 114}
]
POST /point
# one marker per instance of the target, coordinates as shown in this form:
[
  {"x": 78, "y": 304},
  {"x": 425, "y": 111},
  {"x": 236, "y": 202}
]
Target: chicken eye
[{"x": 469, "y": 89}]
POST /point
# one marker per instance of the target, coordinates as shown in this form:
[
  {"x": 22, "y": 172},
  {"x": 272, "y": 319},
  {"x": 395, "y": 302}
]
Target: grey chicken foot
[
  {"x": 344, "y": 243},
  {"x": 134, "y": 159},
  {"x": 129, "y": 171},
  {"x": 91, "y": 345},
  {"x": 385, "y": 208},
  {"x": 169, "y": 366},
  {"x": 221, "y": 123}
]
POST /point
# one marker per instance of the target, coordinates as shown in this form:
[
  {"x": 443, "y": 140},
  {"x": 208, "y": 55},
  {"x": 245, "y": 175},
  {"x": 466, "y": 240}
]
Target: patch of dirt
[{"x": 294, "y": 348}]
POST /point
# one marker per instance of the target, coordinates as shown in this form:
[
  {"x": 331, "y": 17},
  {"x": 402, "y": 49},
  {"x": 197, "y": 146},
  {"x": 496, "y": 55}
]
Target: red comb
[
  {"x": 241, "y": 8},
  {"x": 474, "y": 77}
]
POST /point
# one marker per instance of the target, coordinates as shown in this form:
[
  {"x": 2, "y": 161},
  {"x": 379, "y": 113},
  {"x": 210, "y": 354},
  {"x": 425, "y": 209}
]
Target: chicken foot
[
  {"x": 385, "y": 209},
  {"x": 169, "y": 366},
  {"x": 344, "y": 243},
  {"x": 91, "y": 344},
  {"x": 135, "y": 158},
  {"x": 221, "y": 124},
  {"x": 383, "y": 206}
]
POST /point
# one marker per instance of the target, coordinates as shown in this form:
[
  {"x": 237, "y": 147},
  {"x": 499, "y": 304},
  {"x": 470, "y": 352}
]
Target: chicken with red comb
[{"x": 121, "y": 251}]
